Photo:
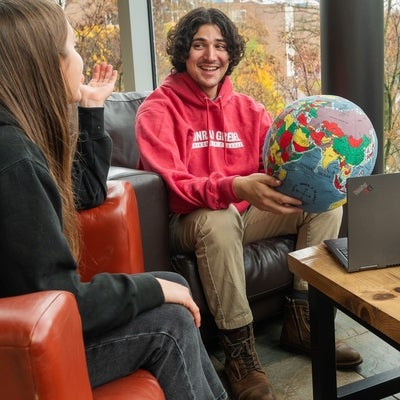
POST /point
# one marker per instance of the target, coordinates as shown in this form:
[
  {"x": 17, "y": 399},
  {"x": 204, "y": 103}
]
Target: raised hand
[{"x": 99, "y": 87}]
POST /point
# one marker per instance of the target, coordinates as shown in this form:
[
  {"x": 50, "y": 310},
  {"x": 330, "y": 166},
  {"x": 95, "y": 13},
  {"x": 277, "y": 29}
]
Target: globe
[{"x": 314, "y": 145}]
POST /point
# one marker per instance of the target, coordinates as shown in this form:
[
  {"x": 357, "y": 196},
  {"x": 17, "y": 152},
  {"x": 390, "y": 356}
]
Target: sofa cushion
[
  {"x": 266, "y": 266},
  {"x": 268, "y": 279},
  {"x": 140, "y": 385},
  {"x": 119, "y": 119}
]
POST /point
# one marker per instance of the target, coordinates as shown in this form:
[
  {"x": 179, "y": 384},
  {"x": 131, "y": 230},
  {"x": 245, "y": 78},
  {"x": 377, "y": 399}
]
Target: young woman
[{"x": 42, "y": 158}]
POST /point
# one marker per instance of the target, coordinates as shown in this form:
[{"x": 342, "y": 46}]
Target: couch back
[{"x": 119, "y": 115}]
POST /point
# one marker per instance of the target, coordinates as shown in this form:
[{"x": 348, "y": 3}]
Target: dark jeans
[{"x": 163, "y": 341}]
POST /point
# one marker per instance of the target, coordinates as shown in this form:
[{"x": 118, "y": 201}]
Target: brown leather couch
[
  {"x": 268, "y": 279},
  {"x": 41, "y": 345}
]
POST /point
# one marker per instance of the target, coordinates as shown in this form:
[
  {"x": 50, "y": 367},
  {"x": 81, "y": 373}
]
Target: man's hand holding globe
[{"x": 259, "y": 190}]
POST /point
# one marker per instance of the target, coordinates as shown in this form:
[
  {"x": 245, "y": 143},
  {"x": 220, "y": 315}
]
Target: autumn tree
[
  {"x": 302, "y": 39},
  {"x": 392, "y": 86},
  {"x": 96, "y": 27},
  {"x": 253, "y": 68}
]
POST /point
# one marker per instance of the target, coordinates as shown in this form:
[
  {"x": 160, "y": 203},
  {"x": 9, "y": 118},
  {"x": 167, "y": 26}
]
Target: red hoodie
[{"x": 199, "y": 145}]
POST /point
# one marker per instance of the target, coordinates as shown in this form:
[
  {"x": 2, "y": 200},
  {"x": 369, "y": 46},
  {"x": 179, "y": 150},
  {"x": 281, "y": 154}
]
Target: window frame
[{"x": 137, "y": 52}]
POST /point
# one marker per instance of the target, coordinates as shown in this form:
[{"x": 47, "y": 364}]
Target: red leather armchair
[{"x": 41, "y": 345}]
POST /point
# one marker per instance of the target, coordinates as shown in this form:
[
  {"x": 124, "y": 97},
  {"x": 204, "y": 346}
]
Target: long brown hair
[{"x": 33, "y": 89}]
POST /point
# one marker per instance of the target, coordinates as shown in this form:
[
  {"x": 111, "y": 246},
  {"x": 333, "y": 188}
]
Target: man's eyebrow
[{"x": 201, "y": 39}]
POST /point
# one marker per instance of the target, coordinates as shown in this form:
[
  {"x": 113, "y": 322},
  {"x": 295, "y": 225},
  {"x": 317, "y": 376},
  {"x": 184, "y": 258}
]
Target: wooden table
[{"x": 372, "y": 298}]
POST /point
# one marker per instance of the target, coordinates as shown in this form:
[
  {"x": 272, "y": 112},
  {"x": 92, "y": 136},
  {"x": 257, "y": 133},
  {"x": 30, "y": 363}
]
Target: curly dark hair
[{"x": 179, "y": 38}]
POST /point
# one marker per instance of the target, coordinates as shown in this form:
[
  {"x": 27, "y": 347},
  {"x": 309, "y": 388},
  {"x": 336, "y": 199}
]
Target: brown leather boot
[
  {"x": 242, "y": 366},
  {"x": 295, "y": 335}
]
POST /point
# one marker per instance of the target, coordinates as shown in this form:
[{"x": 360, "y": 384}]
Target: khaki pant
[{"x": 217, "y": 238}]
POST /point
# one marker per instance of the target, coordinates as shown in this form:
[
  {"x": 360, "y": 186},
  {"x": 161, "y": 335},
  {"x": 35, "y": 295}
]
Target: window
[{"x": 282, "y": 58}]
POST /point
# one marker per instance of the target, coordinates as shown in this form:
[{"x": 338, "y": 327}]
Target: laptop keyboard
[{"x": 343, "y": 250}]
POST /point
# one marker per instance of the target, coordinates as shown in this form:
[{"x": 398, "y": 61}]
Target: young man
[{"x": 206, "y": 141}]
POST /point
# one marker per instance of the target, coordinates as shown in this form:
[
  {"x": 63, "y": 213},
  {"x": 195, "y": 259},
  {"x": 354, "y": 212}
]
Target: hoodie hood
[
  {"x": 6, "y": 118},
  {"x": 189, "y": 92}
]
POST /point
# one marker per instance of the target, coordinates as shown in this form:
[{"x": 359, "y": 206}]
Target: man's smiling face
[{"x": 208, "y": 59}]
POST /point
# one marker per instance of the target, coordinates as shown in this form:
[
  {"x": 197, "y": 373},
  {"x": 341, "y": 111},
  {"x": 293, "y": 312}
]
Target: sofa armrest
[
  {"x": 41, "y": 348},
  {"x": 152, "y": 200}
]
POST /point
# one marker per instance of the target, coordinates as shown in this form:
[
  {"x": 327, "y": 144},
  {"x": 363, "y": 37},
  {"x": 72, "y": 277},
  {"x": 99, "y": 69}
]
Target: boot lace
[{"x": 246, "y": 357}]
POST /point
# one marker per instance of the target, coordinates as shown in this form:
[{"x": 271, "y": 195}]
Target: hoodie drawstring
[{"x": 222, "y": 120}]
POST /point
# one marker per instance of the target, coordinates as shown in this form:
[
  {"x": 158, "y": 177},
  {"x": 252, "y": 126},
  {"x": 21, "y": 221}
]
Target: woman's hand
[
  {"x": 102, "y": 84},
  {"x": 179, "y": 294},
  {"x": 258, "y": 190}
]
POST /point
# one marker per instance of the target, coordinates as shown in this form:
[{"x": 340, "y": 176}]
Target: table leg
[{"x": 322, "y": 325}]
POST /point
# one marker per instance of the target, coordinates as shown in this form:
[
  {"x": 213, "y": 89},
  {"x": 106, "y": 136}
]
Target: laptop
[{"x": 373, "y": 218}]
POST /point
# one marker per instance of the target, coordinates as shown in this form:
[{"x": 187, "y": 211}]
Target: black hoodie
[{"x": 34, "y": 252}]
